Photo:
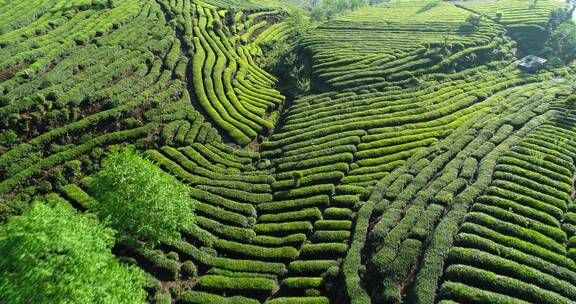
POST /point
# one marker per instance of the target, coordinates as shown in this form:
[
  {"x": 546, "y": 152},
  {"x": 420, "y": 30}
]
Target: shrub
[
  {"x": 324, "y": 177},
  {"x": 506, "y": 215},
  {"x": 294, "y": 240},
  {"x": 54, "y": 255},
  {"x": 324, "y": 250},
  {"x": 333, "y": 225},
  {"x": 220, "y": 229},
  {"x": 330, "y": 236},
  {"x": 499, "y": 15},
  {"x": 311, "y": 266},
  {"x": 469, "y": 168},
  {"x": 209, "y": 258},
  {"x": 519, "y": 209},
  {"x": 302, "y": 283},
  {"x": 245, "y": 209},
  {"x": 222, "y": 216},
  {"x": 246, "y": 284},
  {"x": 297, "y": 176},
  {"x": 283, "y": 228},
  {"x": 503, "y": 266},
  {"x": 299, "y": 300},
  {"x": 238, "y": 195},
  {"x": 198, "y": 297},
  {"x": 162, "y": 298},
  {"x": 239, "y": 274},
  {"x": 464, "y": 293},
  {"x": 161, "y": 266},
  {"x": 471, "y": 241},
  {"x": 286, "y": 253},
  {"x": 511, "y": 229},
  {"x": 472, "y": 22},
  {"x": 140, "y": 199},
  {"x": 307, "y": 191},
  {"x": 189, "y": 270},
  {"x": 173, "y": 256},
  {"x": 338, "y": 213},
  {"x": 517, "y": 243},
  {"x": 277, "y": 206},
  {"x": 491, "y": 281},
  {"x": 332, "y": 272},
  {"x": 346, "y": 201},
  {"x": 304, "y": 214}
]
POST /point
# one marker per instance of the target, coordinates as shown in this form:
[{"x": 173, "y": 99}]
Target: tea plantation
[{"x": 287, "y": 152}]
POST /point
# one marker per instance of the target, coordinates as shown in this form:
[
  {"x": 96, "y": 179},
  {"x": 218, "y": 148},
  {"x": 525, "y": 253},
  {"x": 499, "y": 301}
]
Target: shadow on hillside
[
  {"x": 80, "y": 7},
  {"x": 427, "y": 7}
]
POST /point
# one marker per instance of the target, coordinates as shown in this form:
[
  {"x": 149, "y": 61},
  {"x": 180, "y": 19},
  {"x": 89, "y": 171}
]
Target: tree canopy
[
  {"x": 139, "y": 199},
  {"x": 562, "y": 42},
  {"x": 55, "y": 255}
]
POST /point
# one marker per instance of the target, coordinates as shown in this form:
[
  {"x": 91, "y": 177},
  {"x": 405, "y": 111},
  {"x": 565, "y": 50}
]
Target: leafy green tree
[
  {"x": 53, "y": 255},
  {"x": 139, "y": 199},
  {"x": 297, "y": 176},
  {"x": 499, "y": 15},
  {"x": 562, "y": 42},
  {"x": 472, "y": 22}
]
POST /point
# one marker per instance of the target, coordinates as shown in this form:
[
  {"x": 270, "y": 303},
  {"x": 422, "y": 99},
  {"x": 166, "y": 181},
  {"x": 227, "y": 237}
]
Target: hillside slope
[{"x": 422, "y": 167}]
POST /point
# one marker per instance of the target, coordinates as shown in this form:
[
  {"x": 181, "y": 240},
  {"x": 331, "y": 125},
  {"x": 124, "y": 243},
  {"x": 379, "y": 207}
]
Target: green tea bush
[
  {"x": 283, "y": 228},
  {"x": 199, "y": 297},
  {"x": 310, "y": 214},
  {"x": 311, "y": 266},
  {"x": 323, "y": 250},
  {"x": 299, "y": 300},
  {"x": 302, "y": 283},
  {"x": 290, "y": 240},
  {"x": 245, "y": 284},
  {"x": 330, "y": 236}
]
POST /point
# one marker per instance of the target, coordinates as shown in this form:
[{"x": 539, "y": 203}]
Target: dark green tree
[
  {"x": 473, "y": 22},
  {"x": 139, "y": 199},
  {"x": 562, "y": 42},
  {"x": 55, "y": 255},
  {"x": 499, "y": 15},
  {"x": 297, "y": 176},
  {"x": 571, "y": 100}
]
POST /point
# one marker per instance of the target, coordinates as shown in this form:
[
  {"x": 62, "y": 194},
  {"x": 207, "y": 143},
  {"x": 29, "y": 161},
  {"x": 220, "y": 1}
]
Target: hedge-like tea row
[
  {"x": 222, "y": 283},
  {"x": 235, "y": 100},
  {"x": 419, "y": 175},
  {"x": 514, "y": 232},
  {"x": 517, "y": 12},
  {"x": 199, "y": 297},
  {"x": 387, "y": 42},
  {"x": 92, "y": 65},
  {"x": 303, "y": 164},
  {"x": 299, "y": 300},
  {"x": 422, "y": 202}
]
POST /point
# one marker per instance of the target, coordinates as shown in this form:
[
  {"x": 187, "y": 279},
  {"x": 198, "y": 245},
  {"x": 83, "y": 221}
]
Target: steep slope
[{"x": 428, "y": 169}]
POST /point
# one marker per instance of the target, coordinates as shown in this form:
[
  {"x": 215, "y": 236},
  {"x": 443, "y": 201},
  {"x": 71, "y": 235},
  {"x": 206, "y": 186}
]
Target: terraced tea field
[{"x": 421, "y": 166}]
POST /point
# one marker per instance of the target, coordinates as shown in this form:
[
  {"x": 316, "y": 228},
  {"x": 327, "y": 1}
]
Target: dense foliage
[
  {"x": 140, "y": 200},
  {"x": 54, "y": 255},
  {"x": 562, "y": 42}
]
